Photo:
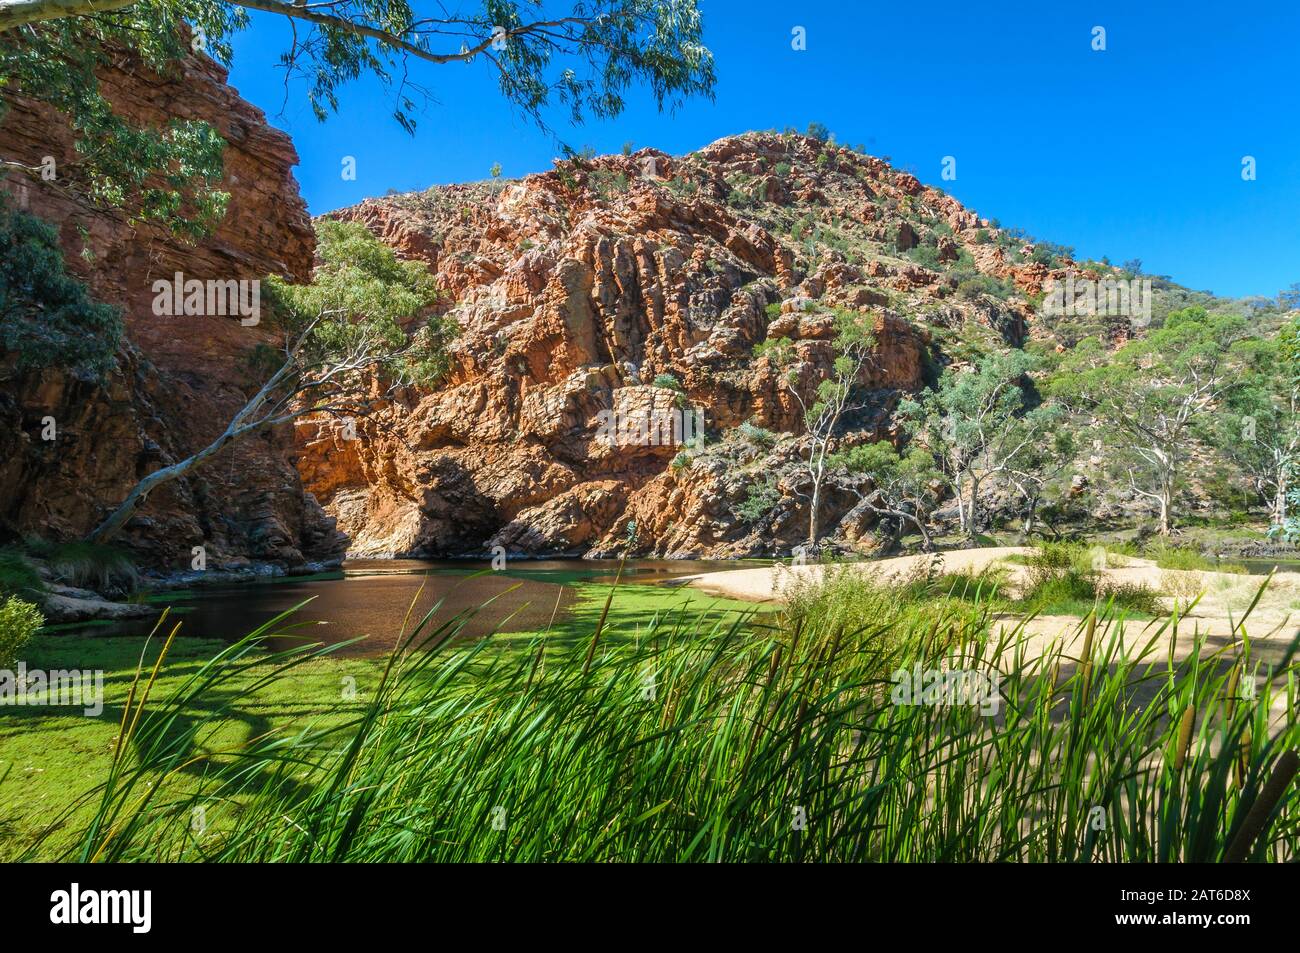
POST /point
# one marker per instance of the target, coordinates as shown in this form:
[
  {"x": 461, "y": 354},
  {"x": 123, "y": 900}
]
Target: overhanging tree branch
[{"x": 16, "y": 13}]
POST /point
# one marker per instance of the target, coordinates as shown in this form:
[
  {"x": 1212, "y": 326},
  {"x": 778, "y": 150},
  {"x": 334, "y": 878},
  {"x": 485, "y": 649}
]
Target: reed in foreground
[{"x": 918, "y": 733}]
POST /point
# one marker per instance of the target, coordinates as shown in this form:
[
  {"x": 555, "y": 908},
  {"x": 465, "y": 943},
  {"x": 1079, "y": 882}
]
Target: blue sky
[{"x": 1134, "y": 152}]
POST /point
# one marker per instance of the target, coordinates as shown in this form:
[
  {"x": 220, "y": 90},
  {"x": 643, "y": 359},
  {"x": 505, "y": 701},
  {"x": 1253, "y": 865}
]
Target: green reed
[{"x": 761, "y": 740}]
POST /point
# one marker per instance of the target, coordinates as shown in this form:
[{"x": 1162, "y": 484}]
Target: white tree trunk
[
  {"x": 926, "y": 544},
  {"x": 812, "y": 512},
  {"x": 1279, "y": 500},
  {"x": 972, "y": 511},
  {"x": 961, "y": 503},
  {"x": 111, "y": 526}
]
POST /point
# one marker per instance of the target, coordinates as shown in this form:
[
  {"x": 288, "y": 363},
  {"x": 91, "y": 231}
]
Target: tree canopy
[
  {"x": 363, "y": 300},
  {"x": 979, "y": 422},
  {"x": 904, "y": 484}
]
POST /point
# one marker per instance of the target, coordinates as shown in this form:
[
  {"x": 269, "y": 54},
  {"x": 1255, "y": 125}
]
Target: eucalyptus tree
[
  {"x": 824, "y": 406},
  {"x": 1258, "y": 428},
  {"x": 363, "y": 321},
  {"x": 980, "y": 422},
  {"x": 1040, "y": 473},
  {"x": 1151, "y": 401},
  {"x": 903, "y": 483}
]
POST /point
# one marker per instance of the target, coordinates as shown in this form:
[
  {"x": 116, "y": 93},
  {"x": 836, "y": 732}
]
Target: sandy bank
[{"x": 1223, "y": 597}]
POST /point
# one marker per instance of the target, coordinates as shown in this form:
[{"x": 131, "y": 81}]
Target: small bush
[
  {"x": 668, "y": 382},
  {"x": 19, "y": 621},
  {"x": 752, "y": 433},
  {"x": 47, "y": 317},
  {"x": 682, "y": 186},
  {"x": 1062, "y": 580},
  {"x": 818, "y": 131},
  {"x": 927, "y": 256},
  {"x": 1182, "y": 584},
  {"x": 972, "y": 287},
  {"x": 760, "y": 500},
  {"x": 1131, "y": 596},
  {"x": 1051, "y": 253},
  {"x": 606, "y": 183},
  {"x": 1051, "y": 557},
  {"x": 1059, "y": 591}
]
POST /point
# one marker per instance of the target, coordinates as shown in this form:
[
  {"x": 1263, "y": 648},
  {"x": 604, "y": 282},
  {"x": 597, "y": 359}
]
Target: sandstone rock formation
[
  {"x": 636, "y": 285},
  {"x": 178, "y": 379}
]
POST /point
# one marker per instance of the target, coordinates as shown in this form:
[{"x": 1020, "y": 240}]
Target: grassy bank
[
  {"x": 677, "y": 737},
  {"x": 49, "y": 757}
]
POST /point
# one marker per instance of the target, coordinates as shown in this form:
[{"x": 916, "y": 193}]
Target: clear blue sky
[{"x": 1134, "y": 152}]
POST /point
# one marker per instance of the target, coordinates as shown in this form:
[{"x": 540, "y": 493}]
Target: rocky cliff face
[
  {"x": 178, "y": 379},
  {"x": 639, "y": 285},
  {"x": 631, "y": 288}
]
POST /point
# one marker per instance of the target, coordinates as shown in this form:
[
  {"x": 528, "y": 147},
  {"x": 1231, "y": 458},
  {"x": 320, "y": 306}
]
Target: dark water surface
[
  {"x": 372, "y": 598},
  {"x": 1262, "y": 567}
]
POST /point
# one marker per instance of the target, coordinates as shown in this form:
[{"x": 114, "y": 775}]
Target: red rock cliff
[
  {"x": 578, "y": 288},
  {"x": 179, "y": 379}
]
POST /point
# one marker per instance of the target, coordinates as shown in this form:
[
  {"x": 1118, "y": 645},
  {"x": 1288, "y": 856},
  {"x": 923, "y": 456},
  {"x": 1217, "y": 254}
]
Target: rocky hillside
[
  {"x": 178, "y": 379},
  {"x": 644, "y": 282},
  {"x": 629, "y": 285}
]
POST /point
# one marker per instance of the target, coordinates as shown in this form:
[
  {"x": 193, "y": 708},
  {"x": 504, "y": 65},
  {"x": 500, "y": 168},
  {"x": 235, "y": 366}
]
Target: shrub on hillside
[
  {"x": 818, "y": 131},
  {"x": 926, "y": 256},
  {"x": 47, "y": 317},
  {"x": 752, "y": 433},
  {"x": 760, "y": 500}
]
